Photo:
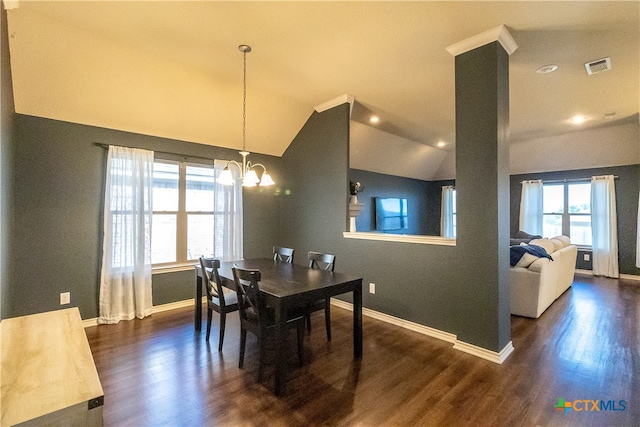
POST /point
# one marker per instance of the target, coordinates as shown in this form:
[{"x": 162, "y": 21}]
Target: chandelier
[{"x": 248, "y": 174}]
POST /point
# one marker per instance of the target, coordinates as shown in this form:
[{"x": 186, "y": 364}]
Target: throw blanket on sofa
[{"x": 518, "y": 252}]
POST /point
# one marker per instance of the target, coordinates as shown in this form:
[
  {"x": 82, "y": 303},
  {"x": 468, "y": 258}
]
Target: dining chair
[
  {"x": 218, "y": 299},
  {"x": 327, "y": 262},
  {"x": 282, "y": 254},
  {"x": 259, "y": 319}
]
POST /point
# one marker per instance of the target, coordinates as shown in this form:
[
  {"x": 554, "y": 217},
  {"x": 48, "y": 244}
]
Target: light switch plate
[{"x": 65, "y": 298}]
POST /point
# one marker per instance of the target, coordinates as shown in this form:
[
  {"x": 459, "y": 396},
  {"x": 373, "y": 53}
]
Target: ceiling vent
[{"x": 598, "y": 66}]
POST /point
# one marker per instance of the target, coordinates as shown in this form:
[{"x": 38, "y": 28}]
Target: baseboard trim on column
[{"x": 483, "y": 353}]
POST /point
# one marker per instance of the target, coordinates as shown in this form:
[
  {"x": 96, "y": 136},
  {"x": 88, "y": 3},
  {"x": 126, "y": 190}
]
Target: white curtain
[
  {"x": 125, "y": 282},
  {"x": 227, "y": 223},
  {"x": 446, "y": 212},
  {"x": 531, "y": 207},
  {"x": 604, "y": 226}
]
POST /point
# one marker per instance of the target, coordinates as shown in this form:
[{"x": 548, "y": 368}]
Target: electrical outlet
[
  {"x": 372, "y": 288},
  {"x": 586, "y": 257},
  {"x": 65, "y": 298}
]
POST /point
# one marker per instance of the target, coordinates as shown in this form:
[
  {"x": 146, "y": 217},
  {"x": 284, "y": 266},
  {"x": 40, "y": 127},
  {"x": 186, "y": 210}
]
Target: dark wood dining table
[{"x": 286, "y": 286}]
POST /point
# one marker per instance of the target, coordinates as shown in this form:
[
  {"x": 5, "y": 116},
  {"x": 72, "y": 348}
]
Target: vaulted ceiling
[{"x": 173, "y": 69}]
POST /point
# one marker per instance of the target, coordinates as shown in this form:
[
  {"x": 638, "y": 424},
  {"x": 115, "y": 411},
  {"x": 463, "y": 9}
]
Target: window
[
  {"x": 186, "y": 213},
  {"x": 448, "y": 217},
  {"x": 455, "y": 216},
  {"x": 567, "y": 211}
]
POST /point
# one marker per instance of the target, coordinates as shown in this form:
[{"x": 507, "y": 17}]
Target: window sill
[
  {"x": 401, "y": 238},
  {"x": 172, "y": 268}
]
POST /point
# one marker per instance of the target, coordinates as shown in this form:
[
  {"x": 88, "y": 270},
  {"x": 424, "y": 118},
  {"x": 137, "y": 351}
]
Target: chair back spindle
[
  {"x": 283, "y": 254},
  {"x": 320, "y": 261}
]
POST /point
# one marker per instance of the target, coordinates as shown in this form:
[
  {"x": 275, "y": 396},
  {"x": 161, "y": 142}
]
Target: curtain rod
[
  {"x": 563, "y": 180},
  {"x": 186, "y": 156}
]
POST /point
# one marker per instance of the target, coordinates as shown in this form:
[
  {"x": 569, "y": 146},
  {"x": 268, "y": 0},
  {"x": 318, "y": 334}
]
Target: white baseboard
[
  {"x": 483, "y": 353},
  {"x": 492, "y": 356},
  {"x": 425, "y": 330},
  {"x": 622, "y": 276},
  {"x": 156, "y": 309}
]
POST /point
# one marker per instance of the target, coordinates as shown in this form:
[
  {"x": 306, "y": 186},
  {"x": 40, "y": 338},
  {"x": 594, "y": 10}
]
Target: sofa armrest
[
  {"x": 530, "y": 293},
  {"x": 566, "y": 258}
]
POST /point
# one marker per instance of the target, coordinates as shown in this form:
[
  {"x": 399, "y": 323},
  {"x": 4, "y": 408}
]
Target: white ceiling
[{"x": 172, "y": 69}]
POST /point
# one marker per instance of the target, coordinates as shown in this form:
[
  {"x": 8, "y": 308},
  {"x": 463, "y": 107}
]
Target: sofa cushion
[
  {"x": 525, "y": 255},
  {"x": 566, "y": 241},
  {"x": 545, "y": 243},
  {"x": 557, "y": 244},
  {"x": 526, "y": 260}
]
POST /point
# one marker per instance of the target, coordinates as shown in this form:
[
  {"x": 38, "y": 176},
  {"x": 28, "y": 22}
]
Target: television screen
[{"x": 391, "y": 213}]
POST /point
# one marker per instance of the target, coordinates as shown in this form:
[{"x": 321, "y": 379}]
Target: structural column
[{"x": 482, "y": 184}]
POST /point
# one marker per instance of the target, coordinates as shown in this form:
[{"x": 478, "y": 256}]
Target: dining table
[{"x": 285, "y": 286}]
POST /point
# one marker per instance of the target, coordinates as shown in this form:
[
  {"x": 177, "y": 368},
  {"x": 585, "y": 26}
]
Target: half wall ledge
[{"x": 401, "y": 238}]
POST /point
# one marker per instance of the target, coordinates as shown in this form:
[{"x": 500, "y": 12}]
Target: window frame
[
  {"x": 565, "y": 214},
  {"x": 182, "y": 216}
]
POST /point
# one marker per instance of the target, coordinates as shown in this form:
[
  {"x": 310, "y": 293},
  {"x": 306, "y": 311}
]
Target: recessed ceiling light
[
  {"x": 546, "y": 69},
  {"x": 374, "y": 119},
  {"x": 441, "y": 144},
  {"x": 576, "y": 120}
]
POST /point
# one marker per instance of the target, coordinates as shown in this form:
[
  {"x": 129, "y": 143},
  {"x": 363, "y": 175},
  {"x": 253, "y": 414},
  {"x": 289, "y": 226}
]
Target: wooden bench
[{"x": 47, "y": 372}]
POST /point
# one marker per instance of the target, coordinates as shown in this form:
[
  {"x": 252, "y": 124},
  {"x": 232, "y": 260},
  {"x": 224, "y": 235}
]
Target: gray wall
[
  {"x": 59, "y": 180},
  {"x": 419, "y": 283},
  {"x": 627, "y": 190},
  {"x": 57, "y": 175},
  {"x": 6, "y": 169}
]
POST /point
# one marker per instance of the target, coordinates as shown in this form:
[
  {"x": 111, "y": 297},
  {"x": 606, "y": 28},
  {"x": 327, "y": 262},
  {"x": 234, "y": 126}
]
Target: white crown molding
[
  {"x": 10, "y": 4},
  {"x": 500, "y": 34},
  {"x": 335, "y": 102}
]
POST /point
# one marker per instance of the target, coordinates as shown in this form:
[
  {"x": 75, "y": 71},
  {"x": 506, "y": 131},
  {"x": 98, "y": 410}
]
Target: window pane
[
  {"x": 121, "y": 253},
  {"x": 553, "y": 198},
  {"x": 165, "y": 187},
  {"x": 163, "y": 238},
  {"x": 579, "y": 198},
  {"x": 552, "y": 225},
  {"x": 200, "y": 183},
  {"x": 453, "y": 200},
  {"x": 199, "y": 236},
  {"x": 580, "y": 229}
]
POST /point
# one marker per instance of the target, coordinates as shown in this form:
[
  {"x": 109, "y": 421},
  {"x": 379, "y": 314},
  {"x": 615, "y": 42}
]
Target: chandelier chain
[
  {"x": 247, "y": 169},
  {"x": 244, "y": 100}
]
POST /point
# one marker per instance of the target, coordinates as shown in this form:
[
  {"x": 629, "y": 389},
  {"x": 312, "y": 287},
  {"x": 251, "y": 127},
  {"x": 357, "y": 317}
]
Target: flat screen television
[{"x": 391, "y": 214}]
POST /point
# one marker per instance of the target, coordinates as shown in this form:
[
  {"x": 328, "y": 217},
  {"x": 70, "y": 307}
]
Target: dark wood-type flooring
[{"x": 160, "y": 372}]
